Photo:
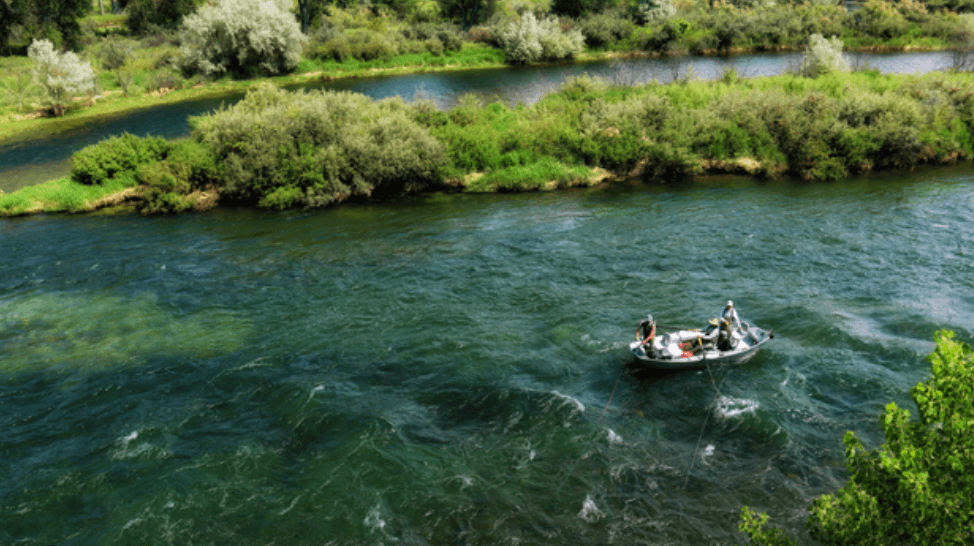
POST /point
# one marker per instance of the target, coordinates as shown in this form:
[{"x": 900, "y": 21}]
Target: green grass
[
  {"x": 61, "y": 195},
  {"x": 469, "y": 57},
  {"x": 546, "y": 174}
]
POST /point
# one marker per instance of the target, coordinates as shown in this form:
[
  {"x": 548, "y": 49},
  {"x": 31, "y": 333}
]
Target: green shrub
[
  {"x": 115, "y": 157},
  {"x": 193, "y": 162},
  {"x": 368, "y": 46},
  {"x": 361, "y": 44},
  {"x": 337, "y": 49},
  {"x": 242, "y": 37},
  {"x": 470, "y": 149},
  {"x": 880, "y": 19},
  {"x": 823, "y": 57},
  {"x": 156, "y": 200},
  {"x": 435, "y": 47},
  {"x": 530, "y": 40},
  {"x": 160, "y": 176},
  {"x": 605, "y": 29},
  {"x": 450, "y": 36},
  {"x": 584, "y": 88},
  {"x": 916, "y": 488},
  {"x": 648, "y": 12},
  {"x": 330, "y": 146}
]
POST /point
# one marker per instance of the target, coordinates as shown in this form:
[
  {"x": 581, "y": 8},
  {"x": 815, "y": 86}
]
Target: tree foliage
[
  {"x": 824, "y": 56},
  {"x": 918, "y": 488},
  {"x": 61, "y": 75},
  {"x": 244, "y": 37},
  {"x": 282, "y": 149},
  {"x": 529, "y": 40},
  {"x": 54, "y": 20},
  {"x": 653, "y": 11},
  {"x": 144, "y": 14}
]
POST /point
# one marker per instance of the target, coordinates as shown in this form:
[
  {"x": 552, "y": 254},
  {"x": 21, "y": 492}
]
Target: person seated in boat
[
  {"x": 729, "y": 314},
  {"x": 724, "y": 338},
  {"x": 646, "y": 330},
  {"x": 708, "y": 337}
]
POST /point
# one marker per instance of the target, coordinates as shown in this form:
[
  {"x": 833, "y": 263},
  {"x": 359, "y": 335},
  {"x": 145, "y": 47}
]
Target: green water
[{"x": 434, "y": 370}]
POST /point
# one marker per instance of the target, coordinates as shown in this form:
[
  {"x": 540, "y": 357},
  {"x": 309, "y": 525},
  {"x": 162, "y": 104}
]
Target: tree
[
  {"x": 60, "y": 74},
  {"x": 530, "y": 40},
  {"x": 653, "y": 11},
  {"x": 114, "y": 54},
  {"x": 577, "y": 8},
  {"x": 962, "y": 44},
  {"x": 823, "y": 57},
  {"x": 468, "y": 12},
  {"x": 7, "y": 20},
  {"x": 306, "y": 11},
  {"x": 55, "y": 20},
  {"x": 242, "y": 37},
  {"x": 918, "y": 488},
  {"x": 144, "y": 14}
]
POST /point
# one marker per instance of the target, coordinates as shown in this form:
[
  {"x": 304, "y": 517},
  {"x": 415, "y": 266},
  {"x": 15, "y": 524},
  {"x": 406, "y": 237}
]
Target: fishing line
[
  {"x": 702, "y": 428},
  {"x": 569, "y": 475}
]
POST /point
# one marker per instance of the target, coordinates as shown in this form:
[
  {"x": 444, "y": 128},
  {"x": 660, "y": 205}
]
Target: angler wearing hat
[
  {"x": 708, "y": 337},
  {"x": 646, "y": 330},
  {"x": 729, "y": 314}
]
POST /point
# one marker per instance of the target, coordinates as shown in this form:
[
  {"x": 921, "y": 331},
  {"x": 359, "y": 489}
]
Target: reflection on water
[{"x": 511, "y": 85}]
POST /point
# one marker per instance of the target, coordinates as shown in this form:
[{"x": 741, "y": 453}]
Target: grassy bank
[
  {"x": 283, "y": 150},
  {"x": 359, "y": 41},
  {"x": 167, "y": 88}
]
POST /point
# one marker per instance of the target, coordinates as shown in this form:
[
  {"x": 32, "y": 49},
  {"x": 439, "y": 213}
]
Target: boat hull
[{"x": 746, "y": 349}]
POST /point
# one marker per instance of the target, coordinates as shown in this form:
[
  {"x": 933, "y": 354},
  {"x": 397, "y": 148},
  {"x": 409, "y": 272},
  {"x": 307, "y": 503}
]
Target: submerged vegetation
[
  {"x": 281, "y": 149},
  {"x": 917, "y": 488}
]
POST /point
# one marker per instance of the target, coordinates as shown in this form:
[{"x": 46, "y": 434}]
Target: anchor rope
[
  {"x": 704, "y": 426},
  {"x": 572, "y": 470}
]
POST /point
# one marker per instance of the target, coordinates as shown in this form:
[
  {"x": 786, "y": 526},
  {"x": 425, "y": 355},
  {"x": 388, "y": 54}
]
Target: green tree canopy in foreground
[{"x": 918, "y": 488}]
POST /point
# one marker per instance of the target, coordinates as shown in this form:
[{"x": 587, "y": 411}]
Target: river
[
  {"x": 34, "y": 160},
  {"x": 434, "y": 370}
]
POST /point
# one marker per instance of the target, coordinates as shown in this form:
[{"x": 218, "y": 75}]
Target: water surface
[{"x": 434, "y": 370}]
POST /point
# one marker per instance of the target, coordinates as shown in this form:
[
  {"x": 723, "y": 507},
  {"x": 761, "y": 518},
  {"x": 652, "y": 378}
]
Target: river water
[
  {"x": 34, "y": 159},
  {"x": 435, "y": 370}
]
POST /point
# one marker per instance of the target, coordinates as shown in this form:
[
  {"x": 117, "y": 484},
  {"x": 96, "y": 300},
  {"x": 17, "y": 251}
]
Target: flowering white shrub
[
  {"x": 530, "y": 40},
  {"x": 241, "y": 36},
  {"x": 60, "y": 74},
  {"x": 824, "y": 56},
  {"x": 655, "y": 11},
  {"x": 966, "y": 22}
]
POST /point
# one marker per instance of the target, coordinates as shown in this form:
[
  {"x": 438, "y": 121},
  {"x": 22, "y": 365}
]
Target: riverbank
[
  {"x": 587, "y": 133},
  {"x": 15, "y": 127}
]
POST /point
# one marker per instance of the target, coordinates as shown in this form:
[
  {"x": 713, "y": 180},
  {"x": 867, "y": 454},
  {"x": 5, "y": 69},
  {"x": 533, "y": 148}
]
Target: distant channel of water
[{"x": 33, "y": 161}]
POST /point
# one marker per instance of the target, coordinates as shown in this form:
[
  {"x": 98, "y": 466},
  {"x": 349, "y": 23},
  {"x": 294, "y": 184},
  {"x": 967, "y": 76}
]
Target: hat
[
  {"x": 730, "y": 303},
  {"x": 649, "y": 317},
  {"x": 713, "y": 322}
]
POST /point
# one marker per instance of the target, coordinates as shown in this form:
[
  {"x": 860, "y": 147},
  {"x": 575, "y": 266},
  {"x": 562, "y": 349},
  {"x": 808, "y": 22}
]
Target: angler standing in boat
[
  {"x": 646, "y": 330},
  {"x": 730, "y": 315}
]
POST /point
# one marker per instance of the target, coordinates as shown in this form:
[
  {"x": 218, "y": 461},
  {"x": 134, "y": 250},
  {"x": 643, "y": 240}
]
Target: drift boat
[{"x": 689, "y": 348}]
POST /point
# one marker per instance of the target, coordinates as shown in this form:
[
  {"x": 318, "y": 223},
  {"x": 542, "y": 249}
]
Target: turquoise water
[{"x": 435, "y": 370}]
